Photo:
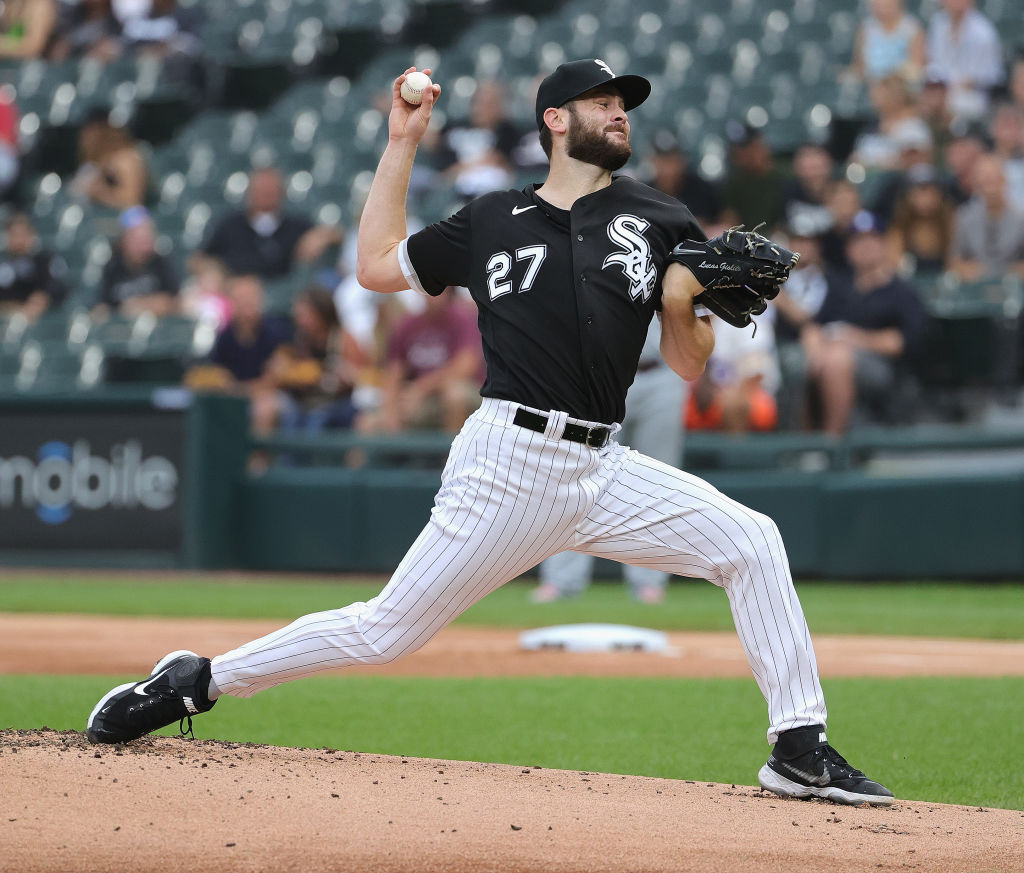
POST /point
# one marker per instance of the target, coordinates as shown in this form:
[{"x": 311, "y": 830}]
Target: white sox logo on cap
[{"x": 604, "y": 67}]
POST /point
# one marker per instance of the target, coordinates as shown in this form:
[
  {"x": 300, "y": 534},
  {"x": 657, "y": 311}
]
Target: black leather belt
[{"x": 594, "y": 437}]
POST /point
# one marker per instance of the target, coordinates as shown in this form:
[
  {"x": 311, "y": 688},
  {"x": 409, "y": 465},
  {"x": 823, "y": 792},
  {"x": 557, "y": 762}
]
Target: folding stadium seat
[
  {"x": 10, "y": 364},
  {"x": 122, "y": 336},
  {"x": 298, "y": 187},
  {"x": 197, "y": 217},
  {"x": 49, "y": 367},
  {"x": 173, "y": 336},
  {"x": 279, "y": 293},
  {"x": 51, "y": 328}
]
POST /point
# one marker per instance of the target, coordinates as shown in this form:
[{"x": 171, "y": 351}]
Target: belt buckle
[{"x": 597, "y": 437}]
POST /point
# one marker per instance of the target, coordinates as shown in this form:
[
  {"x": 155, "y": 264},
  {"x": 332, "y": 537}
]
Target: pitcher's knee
[{"x": 757, "y": 546}]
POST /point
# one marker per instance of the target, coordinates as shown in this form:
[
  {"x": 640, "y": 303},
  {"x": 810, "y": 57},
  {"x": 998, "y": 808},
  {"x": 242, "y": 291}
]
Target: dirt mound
[{"x": 174, "y": 805}]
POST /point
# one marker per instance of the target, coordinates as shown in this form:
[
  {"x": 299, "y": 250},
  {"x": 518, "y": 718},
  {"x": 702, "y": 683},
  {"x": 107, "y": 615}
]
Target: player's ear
[{"x": 557, "y": 119}]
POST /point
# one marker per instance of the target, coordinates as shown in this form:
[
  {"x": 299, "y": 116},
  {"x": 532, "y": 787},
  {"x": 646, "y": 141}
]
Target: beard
[{"x": 590, "y": 144}]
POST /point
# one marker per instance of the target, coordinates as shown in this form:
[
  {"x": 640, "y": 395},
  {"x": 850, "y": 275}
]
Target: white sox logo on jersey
[{"x": 628, "y": 232}]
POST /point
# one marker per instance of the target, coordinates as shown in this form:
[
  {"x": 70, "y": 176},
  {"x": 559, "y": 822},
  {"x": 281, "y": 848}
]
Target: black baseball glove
[{"x": 740, "y": 271}]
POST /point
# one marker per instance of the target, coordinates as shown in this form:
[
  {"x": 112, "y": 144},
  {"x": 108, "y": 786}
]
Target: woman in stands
[
  {"x": 889, "y": 42},
  {"x": 112, "y": 170},
  {"x": 314, "y": 374},
  {"x": 921, "y": 233}
]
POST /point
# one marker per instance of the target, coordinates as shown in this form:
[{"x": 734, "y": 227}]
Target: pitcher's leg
[
  {"x": 503, "y": 507},
  {"x": 654, "y": 515}
]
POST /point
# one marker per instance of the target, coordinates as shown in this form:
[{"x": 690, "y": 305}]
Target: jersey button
[
  {"x": 583, "y": 278},
  {"x": 590, "y": 319},
  {"x": 579, "y": 236}
]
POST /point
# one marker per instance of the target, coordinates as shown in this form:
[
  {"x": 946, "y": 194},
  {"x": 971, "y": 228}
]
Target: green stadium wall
[{"x": 836, "y": 523}]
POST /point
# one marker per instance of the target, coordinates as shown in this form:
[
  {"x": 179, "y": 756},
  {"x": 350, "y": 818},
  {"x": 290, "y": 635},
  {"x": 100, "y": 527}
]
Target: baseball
[{"x": 414, "y": 86}]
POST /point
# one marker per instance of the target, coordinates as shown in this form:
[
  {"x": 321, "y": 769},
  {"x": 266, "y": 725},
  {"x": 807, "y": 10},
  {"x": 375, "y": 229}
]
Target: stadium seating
[{"x": 292, "y": 82}]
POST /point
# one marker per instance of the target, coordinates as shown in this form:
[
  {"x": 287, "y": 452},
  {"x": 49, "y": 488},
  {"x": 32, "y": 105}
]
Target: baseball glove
[{"x": 740, "y": 271}]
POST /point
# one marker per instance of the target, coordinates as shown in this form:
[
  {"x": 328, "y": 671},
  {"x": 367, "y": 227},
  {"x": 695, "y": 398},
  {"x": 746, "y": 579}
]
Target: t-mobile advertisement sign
[{"x": 73, "y": 480}]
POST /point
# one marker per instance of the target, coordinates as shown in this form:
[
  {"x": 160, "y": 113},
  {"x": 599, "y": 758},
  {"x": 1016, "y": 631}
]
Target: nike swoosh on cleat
[
  {"x": 517, "y": 209},
  {"x": 143, "y": 687}
]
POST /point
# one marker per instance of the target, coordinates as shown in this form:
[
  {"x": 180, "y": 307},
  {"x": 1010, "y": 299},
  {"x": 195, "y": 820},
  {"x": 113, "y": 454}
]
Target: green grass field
[
  {"x": 940, "y": 739},
  {"x": 919, "y": 609},
  {"x": 929, "y": 739}
]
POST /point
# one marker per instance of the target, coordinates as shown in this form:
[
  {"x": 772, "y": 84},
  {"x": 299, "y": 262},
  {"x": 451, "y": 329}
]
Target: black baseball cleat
[
  {"x": 818, "y": 771},
  {"x": 175, "y": 691}
]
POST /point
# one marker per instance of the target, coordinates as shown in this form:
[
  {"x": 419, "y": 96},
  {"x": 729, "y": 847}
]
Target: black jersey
[{"x": 565, "y": 296}]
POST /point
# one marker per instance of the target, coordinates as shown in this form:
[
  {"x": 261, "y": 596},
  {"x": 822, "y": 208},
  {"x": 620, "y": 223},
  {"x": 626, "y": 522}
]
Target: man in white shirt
[{"x": 964, "y": 52}]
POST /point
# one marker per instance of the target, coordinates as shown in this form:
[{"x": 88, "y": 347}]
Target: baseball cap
[
  {"x": 922, "y": 174},
  {"x": 912, "y": 134},
  {"x": 739, "y": 133},
  {"x": 573, "y": 78},
  {"x": 866, "y": 222},
  {"x": 133, "y": 216}
]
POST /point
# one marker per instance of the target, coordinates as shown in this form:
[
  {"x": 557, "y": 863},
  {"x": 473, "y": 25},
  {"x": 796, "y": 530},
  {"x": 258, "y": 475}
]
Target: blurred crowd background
[{"x": 181, "y": 184}]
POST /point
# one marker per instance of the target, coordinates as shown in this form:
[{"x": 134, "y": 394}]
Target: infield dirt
[{"x": 168, "y": 805}]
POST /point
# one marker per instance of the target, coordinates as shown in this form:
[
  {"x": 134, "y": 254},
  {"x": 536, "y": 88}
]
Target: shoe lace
[
  {"x": 181, "y": 729},
  {"x": 833, "y": 757}
]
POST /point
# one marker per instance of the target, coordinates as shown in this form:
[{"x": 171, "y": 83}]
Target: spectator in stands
[
  {"x": 915, "y": 153},
  {"x": 112, "y": 171},
  {"x": 861, "y": 336},
  {"x": 1017, "y": 81},
  {"x": 27, "y": 28},
  {"x": 315, "y": 373},
  {"x": 137, "y": 278},
  {"x": 31, "y": 279},
  {"x": 88, "y": 29},
  {"x": 806, "y": 194},
  {"x": 933, "y": 110},
  {"x": 205, "y": 298},
  {"x": 964, "y": 52},
  {"x": 160, "y": 27},
  {"x": 879, "y": 148},
  {"x": 736, "y": 392},
  {"x": 239, "y": 357},
  {"x": 1007, "y": 131},
  {"x": 673, "y": 175},
  {"x": 263, "y": 239},
  {"x": 476, "y": 153},
  {"x": 843, "y": 205},
  {"x": 889, "y": 42},
  {"x": 961, "y": 157},
  {"x": 798, "y": 303},
  {"x": 989, "y": 238},
  {"x": 10, "y": 155},
  {"x": 754, "y": 185},
  {"x": 921, "y": 232},
  {"x": 434, "y": 370}
]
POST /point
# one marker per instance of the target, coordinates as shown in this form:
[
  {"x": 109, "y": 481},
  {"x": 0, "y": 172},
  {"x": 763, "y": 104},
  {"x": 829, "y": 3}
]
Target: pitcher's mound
[{"x": 177, "y": 805}]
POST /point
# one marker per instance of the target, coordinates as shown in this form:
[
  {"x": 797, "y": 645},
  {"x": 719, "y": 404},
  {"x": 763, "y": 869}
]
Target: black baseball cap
[{"x": 573, "y": 78}]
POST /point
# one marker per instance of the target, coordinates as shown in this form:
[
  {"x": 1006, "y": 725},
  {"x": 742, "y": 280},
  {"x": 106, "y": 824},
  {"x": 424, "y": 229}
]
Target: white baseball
[{"x": 414, "y": 86}]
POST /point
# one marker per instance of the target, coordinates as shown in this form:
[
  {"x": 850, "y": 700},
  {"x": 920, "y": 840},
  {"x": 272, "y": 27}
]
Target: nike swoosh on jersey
[{"x": 517, "y": 209}]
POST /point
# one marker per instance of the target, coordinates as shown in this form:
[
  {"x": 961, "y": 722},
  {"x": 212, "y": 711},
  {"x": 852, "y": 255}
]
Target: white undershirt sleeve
[{"x": 407, "y": 268}]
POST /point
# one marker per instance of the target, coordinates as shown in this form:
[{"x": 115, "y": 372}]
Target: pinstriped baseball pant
[{"x": 510, "y": 498}]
